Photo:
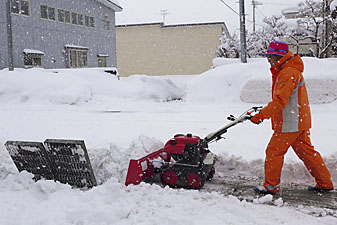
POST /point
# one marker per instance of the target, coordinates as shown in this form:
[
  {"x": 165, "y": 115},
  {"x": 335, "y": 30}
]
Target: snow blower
[{"x": 185, "y": 161}]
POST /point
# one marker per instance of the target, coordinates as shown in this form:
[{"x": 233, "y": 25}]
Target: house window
[
  {"x": 20, "y": 7},
  {"x": 67, "y": 16},
  {"x": 92, "y": 22},
  {"x": 74, "y": 18},
  {"x": 63, "y": 16},
  {"x": 15, "y": 5},
  {"x": 25, "y": 7},
  {"x": 60, "y": 15},
  {"x": 106, "y": 24},
  {"x": 78, "y": 58},
  {"x": 82, "y": 58},
  {"x": 51, "y": 13},
  {"x": 102, "y": 60},
  {"x": 48, "y": 13},
  {"x": 87, "y": 21},
  {"x": 32, "y": 60},
  {"x": 44, "y": 11},
  {"x": 80, "y": 19}
]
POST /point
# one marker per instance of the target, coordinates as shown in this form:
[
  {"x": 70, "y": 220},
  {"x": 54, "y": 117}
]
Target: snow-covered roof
[
  {"x": 290, "y": 10},
  {"x": 113, "y": 4},
  {"x": 291, "y": 22},
  {"x": 171, "y": 25},
  {"x": 75, "y": 46},
  {"x": 102, "y": 55},
  {"x": 33, "y": 51}
]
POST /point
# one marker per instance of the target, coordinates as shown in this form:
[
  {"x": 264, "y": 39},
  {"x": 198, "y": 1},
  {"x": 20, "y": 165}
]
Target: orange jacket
[{"x": 289, "y": 108}]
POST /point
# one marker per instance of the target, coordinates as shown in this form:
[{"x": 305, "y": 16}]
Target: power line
[
  {"x": 233, "y": 10},
  {"x": 261, "y": 13},
  {"x": 229, "y": 7},
  {"x": 255, "y": 4}
]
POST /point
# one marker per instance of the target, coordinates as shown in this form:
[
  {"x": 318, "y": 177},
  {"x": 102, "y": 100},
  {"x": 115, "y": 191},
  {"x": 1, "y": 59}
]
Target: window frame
[
  {"x": 86, "y": 20},
  {"x": 28, "y": 7},
  {"x": 78, "y": 58},
  {"x": 17, "y": 11},
  {"x": 92, "y": 22},
  {"x": 19, "y": 7},
  {"x": 106, "y": 25},
  {"x": 80, "y": 19},
  {"x": 60, "y": 15},
  {"x": 49, "y": 13},
  {"x": 102, "y": 61},
  {"x": 66, "y": 16},
  {"x": 46, "y": 12},
  {"x": 74, "y": 18},
  {"x": 35, "y": 60}
]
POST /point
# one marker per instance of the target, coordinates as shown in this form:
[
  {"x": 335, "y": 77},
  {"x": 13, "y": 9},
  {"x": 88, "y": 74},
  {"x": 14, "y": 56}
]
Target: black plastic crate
[{"x": 66, "y": 161}]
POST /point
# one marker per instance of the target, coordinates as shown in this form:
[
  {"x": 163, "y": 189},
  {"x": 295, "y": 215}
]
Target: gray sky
[{"x": 196, "y": 11}]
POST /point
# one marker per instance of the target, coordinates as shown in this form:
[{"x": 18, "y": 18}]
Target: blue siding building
[{"x": 60, "y": 34}]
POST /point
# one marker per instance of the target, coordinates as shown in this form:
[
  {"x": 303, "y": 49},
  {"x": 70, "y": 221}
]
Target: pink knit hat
[{"x": 277, "y": 48}]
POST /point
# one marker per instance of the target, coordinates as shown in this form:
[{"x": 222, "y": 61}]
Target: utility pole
[
  {"x": 9, "y": 36},
  {"x": 327, "y": 27},
  {"x": 254, "y": 4},
  {"x": 243, "y": 32}
]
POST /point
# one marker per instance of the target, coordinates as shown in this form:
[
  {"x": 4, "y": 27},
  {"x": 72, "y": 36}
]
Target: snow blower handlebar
[{"x": 235, "y": 120}]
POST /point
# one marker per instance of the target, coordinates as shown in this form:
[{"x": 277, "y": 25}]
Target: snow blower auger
[{"x": 185, "y": 161}]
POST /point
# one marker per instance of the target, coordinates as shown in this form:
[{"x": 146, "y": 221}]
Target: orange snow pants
[{"x": 300, "y": 142}]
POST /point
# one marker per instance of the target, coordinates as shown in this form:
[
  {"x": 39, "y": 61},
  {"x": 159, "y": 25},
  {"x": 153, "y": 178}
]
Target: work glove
[{"x": 257, "y": 119}]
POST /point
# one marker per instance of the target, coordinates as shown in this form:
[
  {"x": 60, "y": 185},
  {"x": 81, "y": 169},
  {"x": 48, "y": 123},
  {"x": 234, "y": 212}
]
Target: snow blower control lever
[
  {"x": 184, "y": 161},
  {"x": 243, "y": 117}
]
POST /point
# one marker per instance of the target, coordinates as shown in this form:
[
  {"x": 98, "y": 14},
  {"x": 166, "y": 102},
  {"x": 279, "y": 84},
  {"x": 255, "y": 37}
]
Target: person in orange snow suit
[{"x": 289, "y": 111}]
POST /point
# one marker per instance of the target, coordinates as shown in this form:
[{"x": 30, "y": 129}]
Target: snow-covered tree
[
  {"x": 229, "y": 46},
  {"x": 315, "y": 23},
  {"x": 274, "y": 29},
  {"x": 333, "y": 8},
  {"x": 255, "y": 45}
]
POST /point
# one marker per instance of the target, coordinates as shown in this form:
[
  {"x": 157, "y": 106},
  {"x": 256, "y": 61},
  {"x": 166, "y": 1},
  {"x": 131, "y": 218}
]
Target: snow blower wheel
[
  {"x": 195, "y": 181},
  {"x": 169, "y": 178}
]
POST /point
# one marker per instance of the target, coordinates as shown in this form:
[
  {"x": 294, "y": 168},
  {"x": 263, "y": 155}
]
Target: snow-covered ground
[{"x": 133, "y": 116}]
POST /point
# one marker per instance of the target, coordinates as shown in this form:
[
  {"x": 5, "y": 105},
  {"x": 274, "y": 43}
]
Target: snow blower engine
[{"x": 185, "y": 161}]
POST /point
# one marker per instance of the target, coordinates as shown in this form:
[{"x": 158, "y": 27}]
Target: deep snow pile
[
  {"x": 320, "y": 80},
  {"x": 131, "y": 117},
  {"x": 78, "y": 86},
  {"x": 229, "y": 81}
]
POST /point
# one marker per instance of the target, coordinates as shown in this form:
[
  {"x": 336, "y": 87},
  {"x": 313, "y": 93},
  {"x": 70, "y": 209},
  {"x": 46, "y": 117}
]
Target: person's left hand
[{"x": 257, "y": 119}]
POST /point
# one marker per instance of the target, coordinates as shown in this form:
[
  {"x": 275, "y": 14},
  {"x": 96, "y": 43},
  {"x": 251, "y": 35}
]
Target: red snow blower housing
[{"x": 185, "y": 160}]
